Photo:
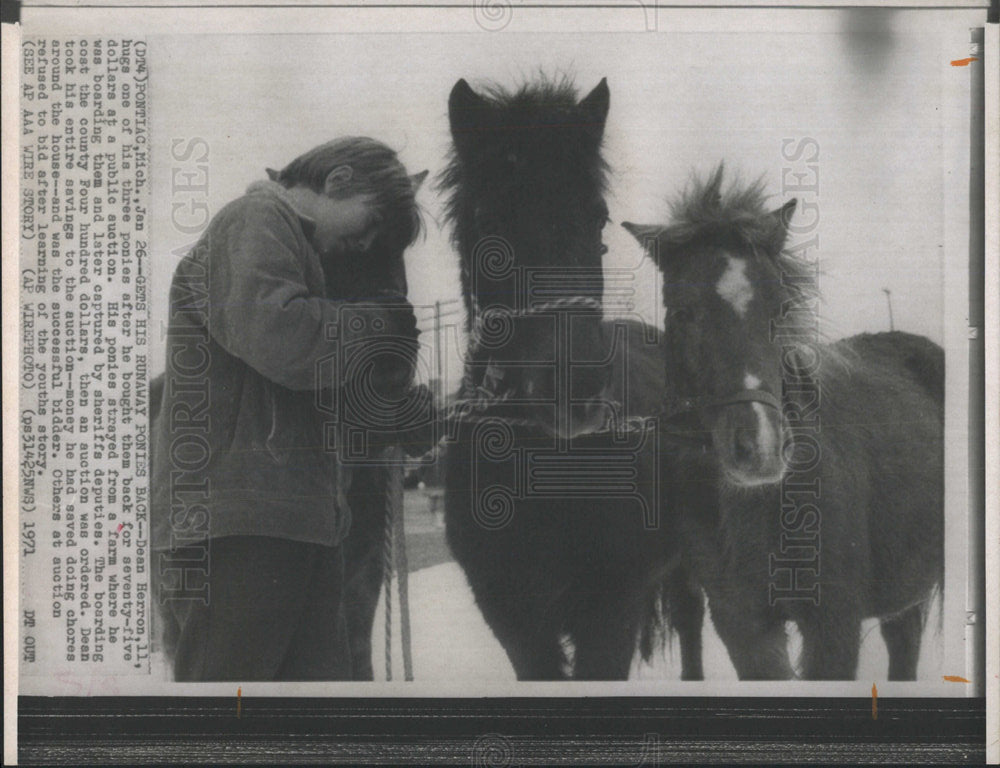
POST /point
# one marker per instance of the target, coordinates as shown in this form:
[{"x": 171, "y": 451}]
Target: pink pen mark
[{"x": 120, "y": 526}]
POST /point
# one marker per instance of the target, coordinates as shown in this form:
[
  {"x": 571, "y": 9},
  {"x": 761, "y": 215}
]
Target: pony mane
[
  {"x": 544, "y": 102},
  {"x": 550, "y": 92},
  {"x": 709, "y": 209},
  {"x": 705, "y": 206},
  {"x": 524, "y": 113}
]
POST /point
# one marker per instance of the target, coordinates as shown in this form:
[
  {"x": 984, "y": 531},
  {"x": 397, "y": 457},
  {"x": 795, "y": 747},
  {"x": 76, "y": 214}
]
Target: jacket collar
[{"x": 275, "y": 189}]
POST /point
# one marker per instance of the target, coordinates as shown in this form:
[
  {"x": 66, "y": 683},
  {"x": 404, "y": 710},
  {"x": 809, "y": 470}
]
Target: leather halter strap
[
  {"x": 679, "y": 406},
  {"x": 675, "y": 421}
]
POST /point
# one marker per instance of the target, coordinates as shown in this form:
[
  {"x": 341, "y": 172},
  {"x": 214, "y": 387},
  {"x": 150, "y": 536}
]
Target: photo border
[{"x": 638, "y": 730}]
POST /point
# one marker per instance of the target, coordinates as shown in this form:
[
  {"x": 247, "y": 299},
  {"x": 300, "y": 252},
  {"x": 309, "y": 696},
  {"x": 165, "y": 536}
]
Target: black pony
[
  {"x": 828, "y": 458},
  {"x": 552, "y": 503}
]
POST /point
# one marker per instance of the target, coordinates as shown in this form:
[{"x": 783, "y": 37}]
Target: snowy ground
[{"x": 451, "y": 642}]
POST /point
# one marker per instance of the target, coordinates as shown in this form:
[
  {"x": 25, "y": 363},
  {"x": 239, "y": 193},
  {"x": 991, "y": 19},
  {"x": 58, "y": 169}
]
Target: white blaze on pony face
[{"x": 734, "y": 286}]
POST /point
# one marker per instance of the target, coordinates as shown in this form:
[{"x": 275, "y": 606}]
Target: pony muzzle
[
  {"x": 565, "y": 407},
  {"x": 747, "y": 438}
]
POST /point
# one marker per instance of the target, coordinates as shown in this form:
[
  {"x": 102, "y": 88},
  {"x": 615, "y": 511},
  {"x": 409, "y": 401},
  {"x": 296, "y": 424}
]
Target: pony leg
[
  {"x": 831, "y": 642},
  {"x": 363, "y": 565},
  {"x": 537, "y": 658},
  {"x": 902, "y": 634},
  {"x": 533, "y": 647},
  {"x": 604, "y": 634},
  {"x": 525, "y": 618},
  {"x": 687, "y": 616},
  {"x": 757, "y": 643}
]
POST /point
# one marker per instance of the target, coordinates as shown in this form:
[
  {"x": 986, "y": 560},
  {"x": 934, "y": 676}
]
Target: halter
[
  {"x": 581, "y": 303},
  {"x": 673, "y": 421},
  {"x": 484, "y": 400},
  {"x": 681, "y": 406},
  {"x": 566, "y": 302},
  {"x": 676, "y": 417}
]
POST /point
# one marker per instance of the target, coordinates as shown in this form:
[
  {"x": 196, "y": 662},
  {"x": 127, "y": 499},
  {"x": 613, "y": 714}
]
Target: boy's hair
[{"x": 376, "y": 171}]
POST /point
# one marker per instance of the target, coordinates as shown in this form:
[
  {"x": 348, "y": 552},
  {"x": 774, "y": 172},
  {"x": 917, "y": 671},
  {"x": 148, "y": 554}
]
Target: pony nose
[
  {"x": 748, "y": 442},
  {"x": 744, "y": 444}
]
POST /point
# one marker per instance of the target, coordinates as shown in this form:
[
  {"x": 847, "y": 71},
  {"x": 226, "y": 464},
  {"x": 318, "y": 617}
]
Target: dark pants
[{"x": 273, "y": 610}]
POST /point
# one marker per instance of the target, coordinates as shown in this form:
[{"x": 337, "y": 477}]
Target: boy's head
[{"x": 364, "y": 195}]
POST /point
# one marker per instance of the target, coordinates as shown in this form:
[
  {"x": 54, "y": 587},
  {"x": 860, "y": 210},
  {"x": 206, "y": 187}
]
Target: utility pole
[
  {"x": 437, "y": 353},
  {"x": 888, "y": 300}
]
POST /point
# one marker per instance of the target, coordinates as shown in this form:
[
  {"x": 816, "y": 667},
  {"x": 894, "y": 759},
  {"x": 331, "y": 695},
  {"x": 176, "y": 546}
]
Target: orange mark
[
  {"x": 874, "y": 702},
  {"x": 239, "y": 700},
  {"x": 964, "y": 63},
  {"x": 955, "y": 679}
]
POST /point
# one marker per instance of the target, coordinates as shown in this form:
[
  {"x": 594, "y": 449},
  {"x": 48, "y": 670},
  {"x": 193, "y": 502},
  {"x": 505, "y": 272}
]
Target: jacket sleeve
[{"x": 260, "y": 307}]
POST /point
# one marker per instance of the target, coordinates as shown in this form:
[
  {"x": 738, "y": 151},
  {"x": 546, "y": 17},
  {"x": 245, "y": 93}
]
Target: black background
[{"x": 498, "y": 732}]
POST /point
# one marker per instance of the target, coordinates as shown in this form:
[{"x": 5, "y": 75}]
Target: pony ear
[
  {"x": 780, "y": 218},
  {"x": 272, "y": 174},
  {"x": 594, "y": 108},
  {"x": 648, "y": 236},
  {"x": 467, "y": 113},
  {"x": 417, "y": 179}
]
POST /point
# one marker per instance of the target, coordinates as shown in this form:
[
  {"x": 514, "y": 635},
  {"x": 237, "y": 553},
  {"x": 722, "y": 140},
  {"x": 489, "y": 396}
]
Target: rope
[
  {"x": 394, "y": 559},
  {"x": 477, "y": 409}
]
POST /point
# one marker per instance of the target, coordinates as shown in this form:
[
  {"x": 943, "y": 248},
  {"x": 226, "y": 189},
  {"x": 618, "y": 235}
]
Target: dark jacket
[{"x": 240, "y": 445}]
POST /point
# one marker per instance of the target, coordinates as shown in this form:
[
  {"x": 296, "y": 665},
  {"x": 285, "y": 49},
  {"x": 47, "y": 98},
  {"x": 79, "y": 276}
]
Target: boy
[{"x": 248, "y": 501}]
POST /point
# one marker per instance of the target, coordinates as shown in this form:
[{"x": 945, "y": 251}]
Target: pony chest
[{"x": 735, "y": 541}]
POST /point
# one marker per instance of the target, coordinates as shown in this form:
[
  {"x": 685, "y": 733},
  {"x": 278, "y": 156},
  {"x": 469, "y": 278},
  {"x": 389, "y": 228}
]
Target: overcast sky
[{"x": 871, "y": 91}]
